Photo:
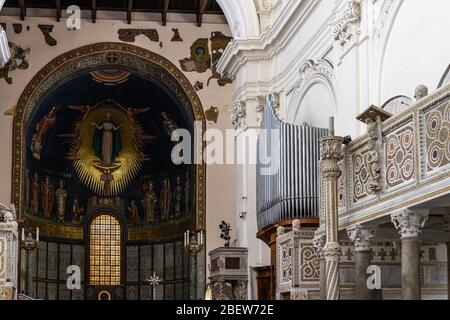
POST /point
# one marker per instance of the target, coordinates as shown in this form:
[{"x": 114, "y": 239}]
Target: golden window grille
[{"x": 105, "y": 251}]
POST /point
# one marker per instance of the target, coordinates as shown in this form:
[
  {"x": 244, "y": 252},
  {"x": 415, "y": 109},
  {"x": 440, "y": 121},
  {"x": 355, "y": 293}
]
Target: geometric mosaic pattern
[
  {"x": 400, "y": 156},
  {"x": 437, "y": 123},
  {"x": 309, "y": 263}
]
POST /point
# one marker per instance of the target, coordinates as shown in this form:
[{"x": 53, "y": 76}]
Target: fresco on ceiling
[
  {"x": 18, "y": 61},
  {"x": 201, "y": 59},
  {"x": 129, "y": 35},
  {"x": 46, "y": 30},
  {"x": 106, "y": 144}
]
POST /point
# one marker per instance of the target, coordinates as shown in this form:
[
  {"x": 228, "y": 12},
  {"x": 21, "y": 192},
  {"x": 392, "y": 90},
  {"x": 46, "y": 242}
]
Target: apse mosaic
[{"x": 103, "y": 139}]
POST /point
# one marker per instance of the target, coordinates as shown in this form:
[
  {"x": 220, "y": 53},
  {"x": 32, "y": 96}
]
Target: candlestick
[
  {"x": 23, "y": 234},
  {"x": 37, "y": 234}
]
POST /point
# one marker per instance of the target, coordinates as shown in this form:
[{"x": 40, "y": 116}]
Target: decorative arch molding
[
  {"x": 311, "y": 74},
  {"x": 380, "y": 38},
  {"x": 445, "y": 79},
  {"x": 86, "y": 59},
  {"x": 397, "y": 104},
  {"x": 242, "y": 17}
]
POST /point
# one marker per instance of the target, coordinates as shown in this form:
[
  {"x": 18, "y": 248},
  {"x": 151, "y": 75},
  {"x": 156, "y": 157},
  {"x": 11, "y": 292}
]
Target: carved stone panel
[
  {"x": 400, "y": 150},
  {"x": 437, "y": 128},
  {"x": 286, "y": 262},
  {"x": 342, "y": 187},
  {"x": 309, "y": 263},
  {"x": 361, "y": 175}
]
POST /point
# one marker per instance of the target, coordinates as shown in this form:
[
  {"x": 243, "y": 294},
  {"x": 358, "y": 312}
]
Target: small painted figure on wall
[
  {"x": 165, "y": 199},
  {"x": 42, "y": 127},
  {"x": 149, "y": 203},
  {"x": 35, "y": 186},
  {"x": 61, "y": 197},
  {"x": 134, "y": 214},
  {"x": 169, "y": 124},
  {"x": 47, "y": 190},
  {"x": 77, "y": 212}
]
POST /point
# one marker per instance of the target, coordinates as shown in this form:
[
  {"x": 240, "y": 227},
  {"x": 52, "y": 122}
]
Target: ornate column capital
[
  {"x": 318, "y": 243},
  {"x": 342, "y": 26},
  {"x": 239, "y": 115},
  {"x": 330, "y": 153},
  {"x": 362, "y": 237},
  {"x": 409, "y": 222},
  {"x": 332, "y": 250}
]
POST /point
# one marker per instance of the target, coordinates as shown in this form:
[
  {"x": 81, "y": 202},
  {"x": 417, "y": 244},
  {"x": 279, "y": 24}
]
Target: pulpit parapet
[{"x": 401, "y": 161}]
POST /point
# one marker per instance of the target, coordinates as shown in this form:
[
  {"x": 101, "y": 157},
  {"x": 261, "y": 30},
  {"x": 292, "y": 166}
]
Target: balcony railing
[{"x": 407, "y": 166}]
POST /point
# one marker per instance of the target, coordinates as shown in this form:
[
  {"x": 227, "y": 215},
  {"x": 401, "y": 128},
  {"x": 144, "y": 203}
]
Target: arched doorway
[{"x": 116, "y": 105}]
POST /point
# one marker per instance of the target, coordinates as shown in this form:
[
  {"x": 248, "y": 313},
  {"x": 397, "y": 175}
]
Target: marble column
[
  {"x": 446, "y": 229},
  {"x": 319, "y": 242},
  {"x": 330, "y": 153},
  {"x": 193, "y": 276},
  {"x": 9, "y": 249},
  {"x": 362, "y": 238},
  {"x": 409, "y": 224}
]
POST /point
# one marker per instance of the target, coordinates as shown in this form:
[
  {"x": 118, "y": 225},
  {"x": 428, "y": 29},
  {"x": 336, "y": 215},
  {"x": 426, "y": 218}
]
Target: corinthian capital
[
  {"x": 330, "y": 153},
  {"x": 331, "y": 148},
  {"x": 409, "y": 222},
  {"x": 362, "y": 237},
  {"x": 342, "y": 26},
  {"x": 332, "y": 250}
]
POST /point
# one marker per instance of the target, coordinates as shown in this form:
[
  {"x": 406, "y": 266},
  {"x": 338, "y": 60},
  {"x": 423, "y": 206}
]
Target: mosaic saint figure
[
  {"x": 149, "y": 203},
  {"x": 47, "y": 190},
  {"x": 77, "y": 212},
  {"x": 35, "y": 194},
  {"x": 106, "y": 142},
  {"x": 42, "y": 127},
  {"x": 165, "y": 199},
  {"x": 169, "y": 125},
  {"x": 61, "y": 197},
  {"x": 178, "y": 196},
  {"x": 134, "y": 213}
]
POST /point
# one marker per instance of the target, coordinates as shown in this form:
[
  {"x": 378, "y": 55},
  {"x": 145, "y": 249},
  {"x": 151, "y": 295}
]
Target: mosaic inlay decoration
[
  {"x": 400, "y": 157},
  {"x": 437, "y": 124}
]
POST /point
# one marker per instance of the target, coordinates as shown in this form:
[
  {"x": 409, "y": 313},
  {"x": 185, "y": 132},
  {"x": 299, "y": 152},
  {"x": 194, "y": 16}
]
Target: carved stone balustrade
[{"x": 403, "y": 160}]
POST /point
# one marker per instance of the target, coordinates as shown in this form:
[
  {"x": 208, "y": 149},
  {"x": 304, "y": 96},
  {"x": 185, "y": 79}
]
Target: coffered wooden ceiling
[{"x": 197, "y": 7}]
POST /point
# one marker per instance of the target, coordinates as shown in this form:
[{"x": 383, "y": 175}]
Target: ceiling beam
[
  {"x": 164, "y": 12},
  {"x": 201, "y": 10},
  {"x": 94, "y": 10},
  {"x": 23, "y": 9},
  {"x": 129, "y": 10},
  {"x": 58, "y": 10}
]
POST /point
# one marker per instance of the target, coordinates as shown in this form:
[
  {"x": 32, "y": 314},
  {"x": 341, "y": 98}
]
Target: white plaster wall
[
  {"x": 220, "y": 178},
  {"x": 417, "y": 50},
  {"x": 397, "y": 45},
  {"x": 315, "y": 108}
]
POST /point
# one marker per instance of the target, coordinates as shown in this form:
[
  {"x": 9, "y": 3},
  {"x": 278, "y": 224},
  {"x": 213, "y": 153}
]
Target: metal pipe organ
[{"x": 287, "y": 170}]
